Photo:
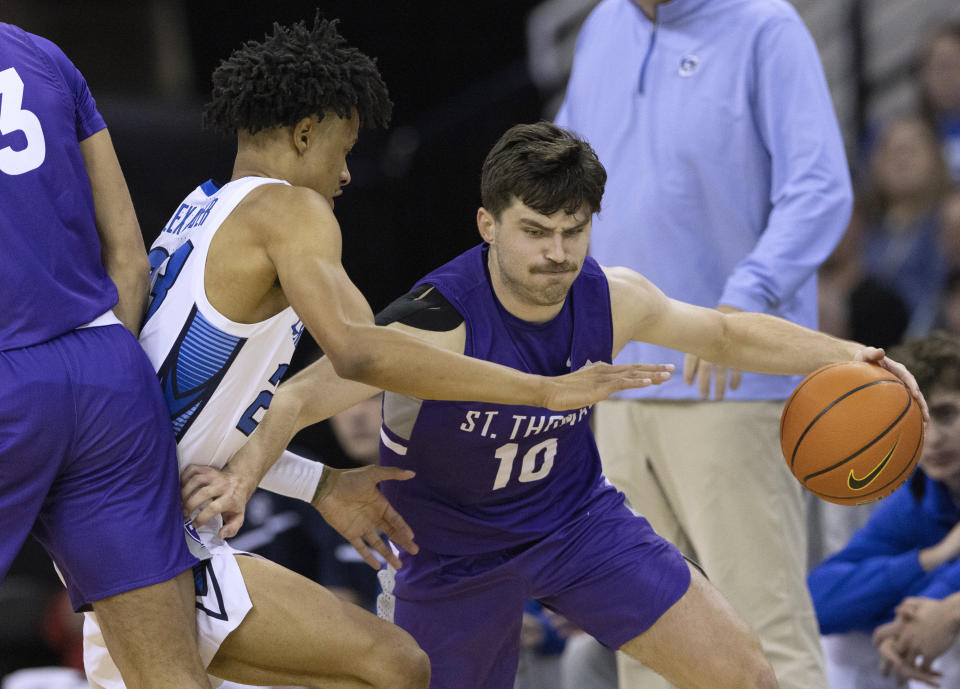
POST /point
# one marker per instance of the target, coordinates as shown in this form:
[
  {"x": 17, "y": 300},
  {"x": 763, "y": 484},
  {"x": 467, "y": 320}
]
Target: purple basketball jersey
[
  {"x": 493, "y": 476},
  {"x": 50, "y": 257}
]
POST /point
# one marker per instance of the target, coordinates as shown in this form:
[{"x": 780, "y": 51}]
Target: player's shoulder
[
  {"x": 285, "y": 207},
  {"x": 280, "y": 198},
  {"x": 621, "y": 278},
  {"x": 43, "y": 53},
  {"x": 629, "y": 291}
]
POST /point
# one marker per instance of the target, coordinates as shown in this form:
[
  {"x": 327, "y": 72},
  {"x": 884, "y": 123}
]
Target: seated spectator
[
  {"x": 899, "y": 211},
  {"x": 838, "y": 277},
  {"x": 540, "y": 647},
  {"x": 911, "y": 543},
  {"x": 949, "y": 317},
  {"x": 357, "y": 432},
  {"x": 557, "y": 654},
  {"x": 61, "y": 631},
  {"x": 938, "y": 78},
  {"x": 950, "y": 227},
  {"x": 924, "y": 630}
]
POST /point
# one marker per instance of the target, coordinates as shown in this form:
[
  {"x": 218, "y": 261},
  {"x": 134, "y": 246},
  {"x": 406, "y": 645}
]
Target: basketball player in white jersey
[{"x": 234, "y": 271}]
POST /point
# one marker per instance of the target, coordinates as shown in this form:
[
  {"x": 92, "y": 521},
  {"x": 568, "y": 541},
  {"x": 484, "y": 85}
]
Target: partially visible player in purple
[
  {"x": 87, "y": 457},
  {"x": 509, "y": 502}
]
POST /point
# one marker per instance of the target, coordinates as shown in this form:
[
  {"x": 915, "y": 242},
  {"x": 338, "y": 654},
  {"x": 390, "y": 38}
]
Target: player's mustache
[{"x": 564, "y": 267}]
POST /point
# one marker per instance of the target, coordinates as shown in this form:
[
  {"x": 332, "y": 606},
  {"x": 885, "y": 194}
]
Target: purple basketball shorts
[
  {"x": 88, "y": 463},
  {"x": 606, "y": 571}
]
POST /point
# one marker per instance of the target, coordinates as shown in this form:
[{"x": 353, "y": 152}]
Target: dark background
[{"x": 456, "y": 73}]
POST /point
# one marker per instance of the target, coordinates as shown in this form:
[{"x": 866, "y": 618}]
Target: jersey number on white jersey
[
  {"x": 248, "y": 420},
  {"x": 161, "y": 282},
  {"x": 14, "y": 118}
]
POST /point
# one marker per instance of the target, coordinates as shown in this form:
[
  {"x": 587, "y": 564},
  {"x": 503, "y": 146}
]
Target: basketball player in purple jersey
[
  {"x": 509, "y": 502},
  {"x": 87, "y": 460},
  {"x": 239, "y": 271}
]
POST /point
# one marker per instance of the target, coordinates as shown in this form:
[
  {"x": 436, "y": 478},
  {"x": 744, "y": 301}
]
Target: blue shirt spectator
[{"x": 859, "y": 587}]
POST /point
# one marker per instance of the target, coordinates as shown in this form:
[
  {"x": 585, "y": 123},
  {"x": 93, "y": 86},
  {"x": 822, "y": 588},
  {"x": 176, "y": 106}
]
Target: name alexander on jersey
[{"x": 188, "y": 216}]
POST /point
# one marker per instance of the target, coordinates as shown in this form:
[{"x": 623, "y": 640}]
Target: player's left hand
[
  {"x": 705, "y": 373},
  {"x": 877, "y": 356},
  {"x": 350, "y": 502},
  {"x": 213, "y": 492}
]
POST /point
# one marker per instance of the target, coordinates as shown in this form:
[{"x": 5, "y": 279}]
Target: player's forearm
[
  {"x": 131, "y": 276},
  {"x": 392, "y": 360},
  {"x": 311, "y": 396},
  {"x": 122, "y": 250},
  {"x": 293, "y": 476},
  {"x": 316, "y": 393},
  {"x": 767, "y": 344},
  {"x": 268, "y": 440}
]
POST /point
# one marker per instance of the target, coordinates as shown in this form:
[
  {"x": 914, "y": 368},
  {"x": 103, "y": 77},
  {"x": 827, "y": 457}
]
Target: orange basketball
[{"x": 851, "y": 432}]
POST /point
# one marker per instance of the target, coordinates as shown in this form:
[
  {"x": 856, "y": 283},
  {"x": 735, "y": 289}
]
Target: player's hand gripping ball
[{"x": 851, "y": 433}]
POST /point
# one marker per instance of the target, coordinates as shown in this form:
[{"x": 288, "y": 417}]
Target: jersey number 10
[{"x": 529, "y": 471}]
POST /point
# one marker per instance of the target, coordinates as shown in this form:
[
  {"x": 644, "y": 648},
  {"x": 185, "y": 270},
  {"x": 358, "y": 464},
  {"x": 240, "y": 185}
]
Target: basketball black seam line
[
  {"x": 803, "y": 384},
  {"x": 878, "y": 489},
  {"x": 865, "y": 447},
  {"x": 793, "y": 455},
  {"x": 796, "y": 447}
]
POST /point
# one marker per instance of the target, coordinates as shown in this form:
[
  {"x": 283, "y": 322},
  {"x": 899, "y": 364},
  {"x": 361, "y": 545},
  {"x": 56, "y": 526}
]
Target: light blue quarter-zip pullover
[{"x": 728, "y": 182}]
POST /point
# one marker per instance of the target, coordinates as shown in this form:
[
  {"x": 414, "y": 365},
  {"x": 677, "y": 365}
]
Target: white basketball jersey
[{"x": 218, "y": 376}]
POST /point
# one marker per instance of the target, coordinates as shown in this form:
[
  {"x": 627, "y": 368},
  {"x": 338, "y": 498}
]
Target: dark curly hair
[
  {"x": 294, "y": 73},
  {"x": 934, "y": 360},
  {"x": 546, "y": 167}
]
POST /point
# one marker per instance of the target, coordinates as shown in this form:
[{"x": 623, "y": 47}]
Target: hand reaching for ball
[{"x": 874, "y": 355}]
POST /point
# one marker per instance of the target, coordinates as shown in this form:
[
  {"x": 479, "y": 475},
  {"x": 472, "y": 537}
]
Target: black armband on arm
[{"x": 423, "y": 308}]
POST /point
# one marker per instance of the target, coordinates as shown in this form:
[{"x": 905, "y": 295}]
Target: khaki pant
[{"x": 710, "y": 478}]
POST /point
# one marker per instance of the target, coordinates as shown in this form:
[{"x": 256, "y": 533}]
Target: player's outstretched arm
[
  {"x": 348, "y": 500},
  {"x": 312, "y": 395},
  {"x": 302, "y": 240},
  {"x": 742, "y": 340},
  {"x": 122, "y": 250}
]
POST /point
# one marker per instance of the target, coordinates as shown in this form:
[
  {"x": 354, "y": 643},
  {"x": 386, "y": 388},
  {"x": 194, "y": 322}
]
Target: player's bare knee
[
  {"x": 416, "y": 670},
  {"x": 758, "y": 673},
  {"x": 401, "y": 664},
  {"x": 765, "y": 679}
]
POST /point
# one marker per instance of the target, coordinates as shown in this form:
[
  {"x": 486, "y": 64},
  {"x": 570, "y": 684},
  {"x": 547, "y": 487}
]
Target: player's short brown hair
[{"x": 548, "y": 168}]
